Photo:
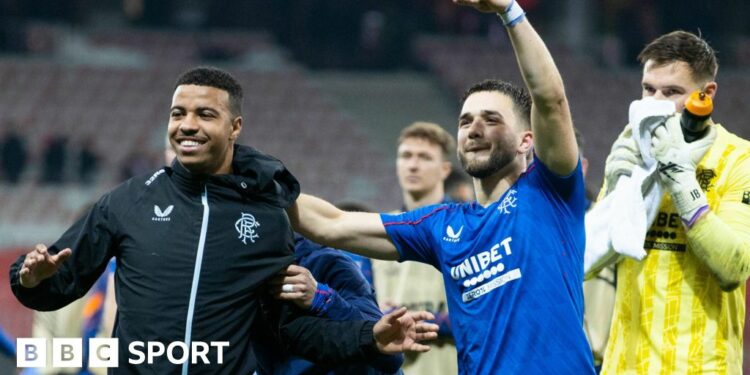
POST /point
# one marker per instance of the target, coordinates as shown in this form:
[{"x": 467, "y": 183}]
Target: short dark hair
[
  {"x": 518, "y": 95},
  {"x": 215, "y": 77},
  {"x": 686, "y": 47},
  {"x": 432, "y": 133}
]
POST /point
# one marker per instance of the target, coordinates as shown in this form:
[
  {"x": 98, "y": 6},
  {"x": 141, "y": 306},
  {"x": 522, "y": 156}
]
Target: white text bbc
[{"x": 68, "y": 352}]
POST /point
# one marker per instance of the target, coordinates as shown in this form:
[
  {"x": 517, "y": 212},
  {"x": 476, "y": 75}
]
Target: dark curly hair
[
  {"x": 215, "y": 77},
  {"x": 520, "y": 97}
]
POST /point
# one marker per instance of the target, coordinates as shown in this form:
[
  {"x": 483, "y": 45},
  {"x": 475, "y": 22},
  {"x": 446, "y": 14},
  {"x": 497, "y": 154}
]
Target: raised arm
[
  {"x": 48, "y": 279},
  {"x": 551, "y": 123},
  {"x": 359, "y": 232}
]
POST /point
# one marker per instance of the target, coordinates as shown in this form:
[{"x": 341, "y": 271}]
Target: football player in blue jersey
[{"x": 512, "y": 262}]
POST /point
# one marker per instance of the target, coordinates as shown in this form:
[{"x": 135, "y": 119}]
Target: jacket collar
[
  {"x": 186, "y": 180},
  {"x": 254, "y": 175}
]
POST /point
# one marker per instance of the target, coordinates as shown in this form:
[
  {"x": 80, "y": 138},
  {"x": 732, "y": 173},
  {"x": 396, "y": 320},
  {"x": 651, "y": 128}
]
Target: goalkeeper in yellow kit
[{"x": 681, "y": 310}]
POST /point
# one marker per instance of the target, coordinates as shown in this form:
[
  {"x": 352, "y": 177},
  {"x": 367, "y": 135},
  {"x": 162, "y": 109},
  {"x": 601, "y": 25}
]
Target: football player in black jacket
[{"x": 194, "y": 244}]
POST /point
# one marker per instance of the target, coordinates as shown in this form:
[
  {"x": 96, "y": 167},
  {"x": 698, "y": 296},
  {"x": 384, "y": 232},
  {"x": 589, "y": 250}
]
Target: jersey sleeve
[
  {"x": 734, "y": 208},
  {"x": 570, "y": 189},
  {"x": 412, "y": 233},
  {"x": 720, "y": 238}
]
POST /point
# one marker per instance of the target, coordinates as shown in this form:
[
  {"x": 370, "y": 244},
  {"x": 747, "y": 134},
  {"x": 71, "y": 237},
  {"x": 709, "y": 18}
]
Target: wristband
[
  {"x": 512, "y": 15},
  {"x": 320, "y": 303},
  {"x": 689, "y": 223},
  {"x": 690, "y": 203}
]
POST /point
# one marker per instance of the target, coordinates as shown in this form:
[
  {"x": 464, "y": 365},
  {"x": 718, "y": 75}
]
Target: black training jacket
[{"x": 192, "y": 255}]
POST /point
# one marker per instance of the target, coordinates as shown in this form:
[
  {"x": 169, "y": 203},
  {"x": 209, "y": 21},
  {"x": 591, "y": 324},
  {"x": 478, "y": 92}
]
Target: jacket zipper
[{"x": 196, "y": 276}]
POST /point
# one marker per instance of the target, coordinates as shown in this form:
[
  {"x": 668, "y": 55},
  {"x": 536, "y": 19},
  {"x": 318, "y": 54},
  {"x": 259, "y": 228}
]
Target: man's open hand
[
  {"x": 401, "y": 331},
  {"x": 40, "y": 264}
]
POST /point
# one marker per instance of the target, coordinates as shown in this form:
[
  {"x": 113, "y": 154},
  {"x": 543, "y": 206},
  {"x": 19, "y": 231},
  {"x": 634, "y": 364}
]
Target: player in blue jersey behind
[{"x": 512, "y": 261}]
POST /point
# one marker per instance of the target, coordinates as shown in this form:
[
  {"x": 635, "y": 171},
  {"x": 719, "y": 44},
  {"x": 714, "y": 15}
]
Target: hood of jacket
[{"x": 254, "y": 174}]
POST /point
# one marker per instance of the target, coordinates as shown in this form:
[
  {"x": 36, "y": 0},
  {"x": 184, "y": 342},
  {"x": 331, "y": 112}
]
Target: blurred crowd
[
  {"x": 374, "y": 34},
  {"x": 59, "y": 161}
]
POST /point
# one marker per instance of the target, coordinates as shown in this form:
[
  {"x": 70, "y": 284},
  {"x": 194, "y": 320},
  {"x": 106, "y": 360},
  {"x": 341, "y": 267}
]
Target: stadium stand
[
  {"x": 598, "y": 97},
  {"x": 124, "y": 111}
]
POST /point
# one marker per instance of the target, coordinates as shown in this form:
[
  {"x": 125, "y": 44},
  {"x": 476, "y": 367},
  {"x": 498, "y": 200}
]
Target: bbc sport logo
[{"x": 68, "y": 352}]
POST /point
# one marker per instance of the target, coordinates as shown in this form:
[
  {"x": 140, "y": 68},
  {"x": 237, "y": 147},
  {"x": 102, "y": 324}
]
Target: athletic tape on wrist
[{"x": 512, "y": 15}]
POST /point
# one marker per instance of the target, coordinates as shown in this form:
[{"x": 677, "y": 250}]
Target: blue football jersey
[{"x": 513, "y": 273}]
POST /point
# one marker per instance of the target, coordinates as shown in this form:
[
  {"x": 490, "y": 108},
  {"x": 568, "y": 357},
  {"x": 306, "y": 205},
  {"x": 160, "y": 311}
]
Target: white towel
[
  {"x": 647, "y": 114},
  {"x": 617, "y": 225}
]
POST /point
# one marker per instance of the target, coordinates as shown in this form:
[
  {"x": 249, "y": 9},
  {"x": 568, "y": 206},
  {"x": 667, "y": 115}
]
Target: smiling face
[
  {"x": 489, "y": 136},
  {"x": 202, "y": 129}
]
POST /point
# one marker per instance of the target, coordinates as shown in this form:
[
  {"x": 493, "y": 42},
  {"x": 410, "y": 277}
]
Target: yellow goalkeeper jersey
[{"x": 671, "y": 316}]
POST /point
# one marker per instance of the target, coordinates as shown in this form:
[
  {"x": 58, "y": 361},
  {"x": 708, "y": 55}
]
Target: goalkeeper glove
[
  {"x": 677, "y": 163},
  {"x": 622, "y": 159}
]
